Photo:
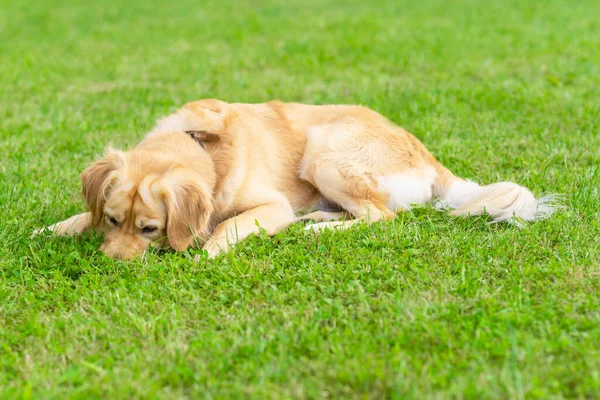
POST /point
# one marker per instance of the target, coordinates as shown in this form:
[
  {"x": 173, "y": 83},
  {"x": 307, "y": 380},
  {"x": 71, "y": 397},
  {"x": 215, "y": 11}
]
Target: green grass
[{"x": 426, "y": 306}]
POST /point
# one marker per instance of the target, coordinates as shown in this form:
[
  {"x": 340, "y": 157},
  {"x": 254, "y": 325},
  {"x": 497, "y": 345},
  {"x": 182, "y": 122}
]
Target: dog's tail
[{"x": 503, "y": 201}]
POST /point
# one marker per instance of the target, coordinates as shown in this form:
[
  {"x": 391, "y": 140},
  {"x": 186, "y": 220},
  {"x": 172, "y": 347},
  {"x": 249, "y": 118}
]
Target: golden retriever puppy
[{"x": 214, "y": 173}]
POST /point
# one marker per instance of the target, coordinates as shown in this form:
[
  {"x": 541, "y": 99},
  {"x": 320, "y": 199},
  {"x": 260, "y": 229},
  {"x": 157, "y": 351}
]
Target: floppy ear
[
  {"x": 95, "y": 182},
  {"x": 189, "y": 207}
]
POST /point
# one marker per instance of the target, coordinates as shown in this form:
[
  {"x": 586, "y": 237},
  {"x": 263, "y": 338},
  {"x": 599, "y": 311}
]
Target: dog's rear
[{"x": 373, "y": 169}]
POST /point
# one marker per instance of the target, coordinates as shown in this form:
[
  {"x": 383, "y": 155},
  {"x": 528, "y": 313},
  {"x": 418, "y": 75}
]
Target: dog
[{"x": 214, "y": 173}]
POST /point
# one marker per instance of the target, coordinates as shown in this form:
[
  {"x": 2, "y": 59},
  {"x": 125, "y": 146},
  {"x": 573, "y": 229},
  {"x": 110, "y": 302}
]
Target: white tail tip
[{"x": 504, "y": 202}]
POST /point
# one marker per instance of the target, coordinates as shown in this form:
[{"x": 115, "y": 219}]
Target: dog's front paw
[{"x": 215, "y": 247}]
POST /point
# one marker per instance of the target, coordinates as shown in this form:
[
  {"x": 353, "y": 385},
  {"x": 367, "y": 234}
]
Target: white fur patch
[{"x": 409, "y": 187}]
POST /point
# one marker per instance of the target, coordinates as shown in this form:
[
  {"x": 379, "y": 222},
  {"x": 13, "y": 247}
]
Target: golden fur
[{"x": 260, "y": 165}]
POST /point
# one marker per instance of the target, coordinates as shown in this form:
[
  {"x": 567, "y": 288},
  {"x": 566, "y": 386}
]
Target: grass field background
[{"x": 425, "y": 306}]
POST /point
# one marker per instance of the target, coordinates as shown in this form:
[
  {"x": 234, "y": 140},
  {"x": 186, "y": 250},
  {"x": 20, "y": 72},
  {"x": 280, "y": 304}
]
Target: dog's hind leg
[
  {"x": 343, "y": 168},
  {"x": 356, "y": 194},
  {"x": 323, "y": 216},
  {"x": 364, "y": 211}
]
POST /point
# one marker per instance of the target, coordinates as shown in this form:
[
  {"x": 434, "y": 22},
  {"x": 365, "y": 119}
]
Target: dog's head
[{"x": 142, "y": 198}]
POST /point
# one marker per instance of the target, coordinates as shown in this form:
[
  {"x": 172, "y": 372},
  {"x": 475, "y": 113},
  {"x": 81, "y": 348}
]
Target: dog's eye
[
  {"x": 149, "y": 229},
  {"x": 112, "y": 220}
]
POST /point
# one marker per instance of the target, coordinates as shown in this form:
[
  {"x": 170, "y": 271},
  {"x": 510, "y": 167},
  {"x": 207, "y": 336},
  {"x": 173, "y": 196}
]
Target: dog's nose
[
  {"x": 116, "y": 254},
  {"x": 122, "y": 255},
  {"x": 108, "y": 252}
]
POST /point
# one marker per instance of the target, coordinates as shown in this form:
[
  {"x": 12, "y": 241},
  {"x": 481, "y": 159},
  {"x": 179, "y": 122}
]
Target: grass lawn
[{"x": 425, "y": 306}]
